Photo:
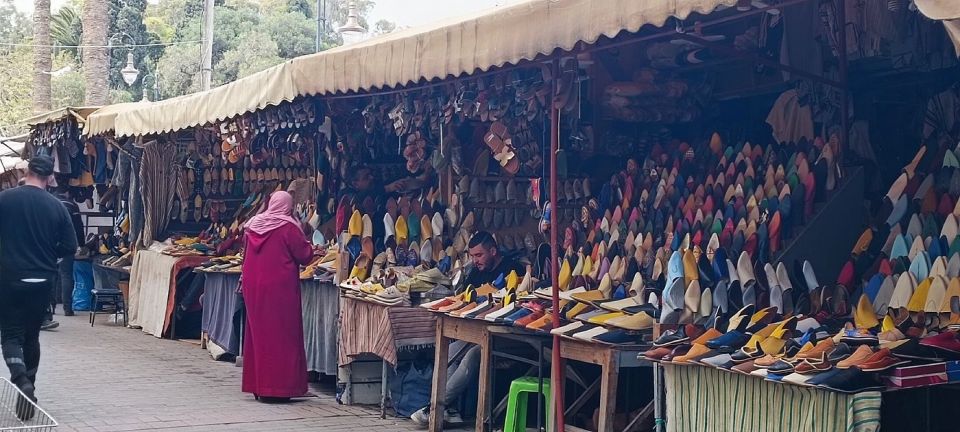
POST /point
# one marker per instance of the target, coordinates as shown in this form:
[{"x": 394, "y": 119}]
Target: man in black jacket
[{"x": 35, "y": 232}]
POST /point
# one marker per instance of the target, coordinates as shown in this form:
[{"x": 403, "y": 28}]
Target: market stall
[{"x": 659, "y": 190}]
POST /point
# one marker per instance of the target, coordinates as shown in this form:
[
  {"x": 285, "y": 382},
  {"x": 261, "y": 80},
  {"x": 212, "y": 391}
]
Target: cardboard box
[{"x": 919, "y": 370}]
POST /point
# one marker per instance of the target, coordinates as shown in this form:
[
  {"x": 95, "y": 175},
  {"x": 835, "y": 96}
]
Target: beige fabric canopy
[
  {"x": 80, "y": 113},
  {"x": 496, "y": 37},
  {"x": 103, "y": 119},
  {"x": 947, "y": 11}
]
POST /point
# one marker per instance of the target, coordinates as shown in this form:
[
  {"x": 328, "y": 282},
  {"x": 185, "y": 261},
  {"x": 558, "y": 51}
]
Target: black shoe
[
  {"x": 273, "y": 400},
  {"x": 49, "y": 325},
  {"x": 68, "y": 313},
  {"x": 25, "y": 408}
]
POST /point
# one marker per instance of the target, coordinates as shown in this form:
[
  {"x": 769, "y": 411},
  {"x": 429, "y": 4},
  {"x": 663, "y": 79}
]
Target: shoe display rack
[
  {"x": 897, "y": 330},
  {"x": 664, "y": 192}
]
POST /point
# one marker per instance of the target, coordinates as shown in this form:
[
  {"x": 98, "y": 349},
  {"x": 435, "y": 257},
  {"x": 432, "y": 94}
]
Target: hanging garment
[
  {"x": 941, "y": 115},
  {"x": 158, "y": 188},
  {"x": 790, "y": 121}
]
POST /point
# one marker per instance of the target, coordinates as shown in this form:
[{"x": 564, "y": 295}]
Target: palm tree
[
  {"x": 96, "y": 57},
  {"x": 66, "y": 30},
  {"x": 42, "y": 59}
]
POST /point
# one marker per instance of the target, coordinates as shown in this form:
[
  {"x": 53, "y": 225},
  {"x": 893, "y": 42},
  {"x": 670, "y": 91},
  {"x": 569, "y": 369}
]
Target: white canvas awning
[
  {"x": 80, "y": 113},
  {"x": 450, "y": 48},
  {"x": 947, "y": 11},
  {"x": 104, "y": 119}
]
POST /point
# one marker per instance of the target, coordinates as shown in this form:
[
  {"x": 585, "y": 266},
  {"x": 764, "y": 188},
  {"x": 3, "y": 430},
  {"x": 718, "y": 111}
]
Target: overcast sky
[{"x": 402, "y": 12}]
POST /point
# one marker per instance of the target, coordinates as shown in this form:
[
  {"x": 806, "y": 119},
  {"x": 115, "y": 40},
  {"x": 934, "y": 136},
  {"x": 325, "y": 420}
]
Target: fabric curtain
[{"x": 705, "y": 399}]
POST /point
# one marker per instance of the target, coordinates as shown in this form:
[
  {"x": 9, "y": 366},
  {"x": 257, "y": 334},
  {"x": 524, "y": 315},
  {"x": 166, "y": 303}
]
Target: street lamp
[
  {"x": 351, "y": 30},
  {"x": 129, "y": 72}
]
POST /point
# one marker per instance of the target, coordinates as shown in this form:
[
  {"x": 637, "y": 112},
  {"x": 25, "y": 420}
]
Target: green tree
[
  {"x": 67, "y": 88},
  {"x": 15, "y": 93},
  {"x": 250, "y": 35},
  {"x": 254, "y": 53},
  {"x": 383, "y": 27},
  {"x": 179, "y": 70},
  {"x": 14, "y": 26},
  {"x": 303, "y": 7},
  {"x": 293, "y": 32},
  {"x": 127, "y": 27},
  {"x": 66, "y": 30}
]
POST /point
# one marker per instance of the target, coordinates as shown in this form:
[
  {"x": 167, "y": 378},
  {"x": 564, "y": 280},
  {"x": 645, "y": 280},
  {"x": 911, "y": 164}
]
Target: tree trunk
[
  {"x": 96, "y": 57},
  {"x": 42, "y": 59}
]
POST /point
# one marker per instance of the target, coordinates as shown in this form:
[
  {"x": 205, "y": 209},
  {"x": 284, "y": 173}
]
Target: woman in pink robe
[{"x": 275, "y": 363}]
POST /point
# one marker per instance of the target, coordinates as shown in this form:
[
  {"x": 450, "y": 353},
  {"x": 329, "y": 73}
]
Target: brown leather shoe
[
  {"x": 812, "y": 366},
  {"x": 658, "y": 353},
  {"x": 696, "y": 352},
  {"x": 545, "y": 323},
  {"x": 676, "y": 352},
  {"x": 745, "y": 367},
  {"x": 881, "y": 361},
  {"x": 819, "y": 350},
  {"x": 859, "y": 356}
]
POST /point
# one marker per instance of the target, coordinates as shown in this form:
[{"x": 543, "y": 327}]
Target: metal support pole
[
  {"x": 384, "y": 388},
  {"x": 557, "y": 367},
  {"x": 844, "y": 84},
  {"x": 321, "y": 22},
  {"x": 206, "y": 69},
  {"x": 659, "y": 393}
]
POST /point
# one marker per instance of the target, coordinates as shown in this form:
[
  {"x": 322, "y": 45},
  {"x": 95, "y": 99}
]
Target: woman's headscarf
[{"x": 277, "y": 213}]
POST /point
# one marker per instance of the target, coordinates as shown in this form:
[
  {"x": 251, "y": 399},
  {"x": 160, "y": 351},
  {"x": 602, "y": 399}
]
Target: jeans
[
  {"x": 460, "y": 375},
  {"x": 61, "y": 290},
  {"x": 66, "y": 283},
  {"x": 22, "y": 307}
]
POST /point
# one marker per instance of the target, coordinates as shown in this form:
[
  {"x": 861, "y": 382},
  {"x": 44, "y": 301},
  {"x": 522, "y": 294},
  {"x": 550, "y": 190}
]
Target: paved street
[{"x": 109, "y": 378}]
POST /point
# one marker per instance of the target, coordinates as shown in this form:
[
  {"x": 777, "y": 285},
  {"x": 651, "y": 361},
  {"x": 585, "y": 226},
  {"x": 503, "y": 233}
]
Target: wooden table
[
  {"x": 467, "y": 330},
  {"x": 610, "y": 358}
]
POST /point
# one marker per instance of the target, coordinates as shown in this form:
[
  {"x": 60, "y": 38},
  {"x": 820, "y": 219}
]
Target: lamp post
[
  {"x": 129, "y": 73},
  {"x": 352, "y": 31},
  {"x": 156, "y": 84}
]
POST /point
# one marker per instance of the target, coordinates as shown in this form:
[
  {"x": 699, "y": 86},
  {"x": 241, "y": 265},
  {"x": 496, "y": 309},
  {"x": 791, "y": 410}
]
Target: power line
[{"x": 100, "y": 46}]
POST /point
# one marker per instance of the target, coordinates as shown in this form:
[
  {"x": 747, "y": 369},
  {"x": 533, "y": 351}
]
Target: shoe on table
[
  {"x": 49, "y": 325},
  {"x": 852, "y": 380}
]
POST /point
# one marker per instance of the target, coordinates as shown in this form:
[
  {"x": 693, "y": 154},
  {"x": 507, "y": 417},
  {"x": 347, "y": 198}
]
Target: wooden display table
[
  {"x": 472, "y": 331},
  {"x": 610, "y": 358}
]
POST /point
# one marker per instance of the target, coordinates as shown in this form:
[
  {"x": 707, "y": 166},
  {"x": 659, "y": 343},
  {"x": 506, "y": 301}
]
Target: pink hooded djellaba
[{"x": 275, "y": 364}]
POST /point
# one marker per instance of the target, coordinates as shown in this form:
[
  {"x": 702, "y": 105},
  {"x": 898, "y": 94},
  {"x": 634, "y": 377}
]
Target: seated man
[{"x": 464, "y": 365}]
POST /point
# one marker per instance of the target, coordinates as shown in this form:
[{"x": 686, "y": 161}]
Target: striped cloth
[
  {"x": 159, "y": 177},
  {"x": 370, "y": 328},
  {"x": 705, "y": 399}
]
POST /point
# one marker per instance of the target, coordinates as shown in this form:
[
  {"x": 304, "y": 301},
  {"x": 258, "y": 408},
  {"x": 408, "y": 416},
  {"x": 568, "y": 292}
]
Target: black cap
[{"x": 41, "y": 165}]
